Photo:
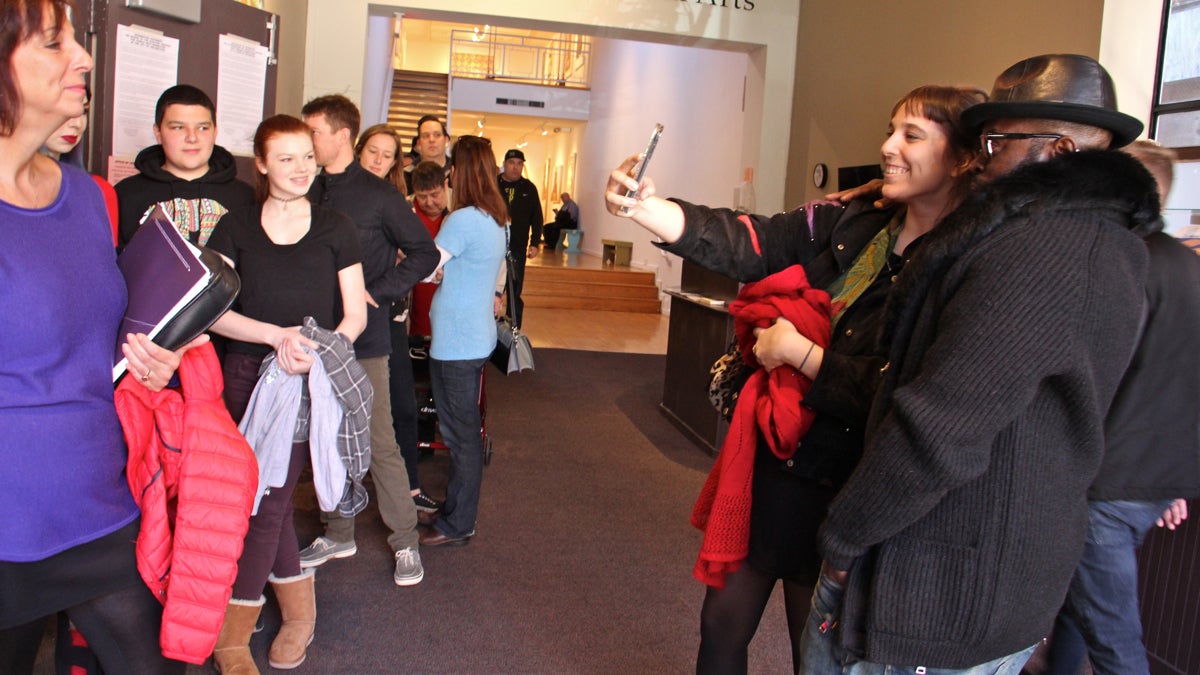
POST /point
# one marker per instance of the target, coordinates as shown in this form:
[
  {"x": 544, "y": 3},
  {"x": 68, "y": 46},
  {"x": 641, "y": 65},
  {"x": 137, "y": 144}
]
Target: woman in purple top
[{"x": 70, "y": 523}]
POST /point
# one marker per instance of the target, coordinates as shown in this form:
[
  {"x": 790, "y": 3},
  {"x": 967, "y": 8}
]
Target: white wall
[
  {"x": 337, "y": 43},
  {"x": 1129, "y": 51},
  {"x": 697, "y": 95}
]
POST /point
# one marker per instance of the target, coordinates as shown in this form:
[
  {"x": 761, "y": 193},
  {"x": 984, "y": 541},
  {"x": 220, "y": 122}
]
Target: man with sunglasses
[{"x": 952, "y": 545}]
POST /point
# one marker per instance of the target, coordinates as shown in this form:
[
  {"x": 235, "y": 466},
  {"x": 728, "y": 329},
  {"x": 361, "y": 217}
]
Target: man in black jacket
[
  {"x": 386, "y": 224},
  {"x": 525, "y": 229},
  {"x": 953, "y": 542},
  {"x": 1151, "y": 459},
  {"x": 193, "y": 178}
]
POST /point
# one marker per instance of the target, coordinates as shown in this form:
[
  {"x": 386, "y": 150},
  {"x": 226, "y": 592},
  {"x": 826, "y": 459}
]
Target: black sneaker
[{"x": 425, "y": 503}]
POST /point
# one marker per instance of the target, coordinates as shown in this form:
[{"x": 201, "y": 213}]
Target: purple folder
[{"x": 163, "y": 273}]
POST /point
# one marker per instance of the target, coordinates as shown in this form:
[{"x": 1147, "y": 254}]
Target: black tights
[
  {"x": 121, "y": 629},
  {"x": 731, "y": 615}
]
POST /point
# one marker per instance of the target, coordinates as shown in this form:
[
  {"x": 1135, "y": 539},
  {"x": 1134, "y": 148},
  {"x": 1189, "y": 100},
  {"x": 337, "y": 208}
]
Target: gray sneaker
[
  {"x": 324, "y": 549},
  {"x": 409, "y": 571}
]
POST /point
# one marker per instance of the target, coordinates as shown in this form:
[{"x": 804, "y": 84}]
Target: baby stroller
[{"x": 428, "y": 436}]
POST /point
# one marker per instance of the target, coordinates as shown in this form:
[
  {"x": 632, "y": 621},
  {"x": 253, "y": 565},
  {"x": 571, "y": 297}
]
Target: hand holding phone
[{"x": 639, "y": 169}]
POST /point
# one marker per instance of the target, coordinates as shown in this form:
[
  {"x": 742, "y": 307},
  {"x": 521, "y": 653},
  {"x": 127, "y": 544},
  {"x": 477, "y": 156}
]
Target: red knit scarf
[{"x": 770, "y": 404}]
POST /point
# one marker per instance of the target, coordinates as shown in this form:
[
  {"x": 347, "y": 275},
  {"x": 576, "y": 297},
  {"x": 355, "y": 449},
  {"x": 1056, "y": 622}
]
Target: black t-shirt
[{"x": 282, "y": 284}]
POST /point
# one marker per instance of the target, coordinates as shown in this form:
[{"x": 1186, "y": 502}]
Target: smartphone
[{"x": 639, "y": 169}]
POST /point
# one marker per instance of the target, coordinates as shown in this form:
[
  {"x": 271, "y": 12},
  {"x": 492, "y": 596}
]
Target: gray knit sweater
[{"x": 1009, "y": 331}]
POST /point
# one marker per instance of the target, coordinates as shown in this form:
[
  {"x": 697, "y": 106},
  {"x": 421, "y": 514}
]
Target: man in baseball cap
[
  {"x": 525, "y": 225},
  {"x": 952, "y": 545}
]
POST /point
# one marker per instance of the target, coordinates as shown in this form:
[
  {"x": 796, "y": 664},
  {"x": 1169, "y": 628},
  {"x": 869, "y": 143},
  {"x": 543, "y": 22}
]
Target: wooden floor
[{"x": 594, "y": 331}]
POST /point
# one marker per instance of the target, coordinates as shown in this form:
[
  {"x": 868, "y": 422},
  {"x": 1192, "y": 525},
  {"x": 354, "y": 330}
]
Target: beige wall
[
  {"x": 855, "y": 59},
  {"x": 293, "y": 26},
  {"x": 1129, "y": 51}
]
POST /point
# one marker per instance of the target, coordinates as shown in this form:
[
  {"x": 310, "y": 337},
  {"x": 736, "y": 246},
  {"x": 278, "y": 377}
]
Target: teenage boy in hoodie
[{"x": 193, "y": 178}]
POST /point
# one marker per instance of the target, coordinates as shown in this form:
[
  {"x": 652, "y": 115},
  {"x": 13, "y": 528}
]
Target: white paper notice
[
  {"x": 147, "y": 63},
  {"x": 241, "y": 85}
]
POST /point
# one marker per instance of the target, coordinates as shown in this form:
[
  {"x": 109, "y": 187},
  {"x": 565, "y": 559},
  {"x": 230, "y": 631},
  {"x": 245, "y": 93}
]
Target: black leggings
[
  {"x": 730, "y": 618},
  {"x": 121, "y": 629}
]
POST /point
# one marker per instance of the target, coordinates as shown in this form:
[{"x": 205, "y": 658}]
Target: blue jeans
[
  {"x": 821, "y": 651},
  {"x": 1101, "y": 611},
  {"x": 456, "y": 389}
]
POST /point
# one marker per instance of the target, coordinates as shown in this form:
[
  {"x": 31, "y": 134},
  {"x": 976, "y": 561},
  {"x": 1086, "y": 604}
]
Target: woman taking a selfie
[{"x": 854, "y": 252}]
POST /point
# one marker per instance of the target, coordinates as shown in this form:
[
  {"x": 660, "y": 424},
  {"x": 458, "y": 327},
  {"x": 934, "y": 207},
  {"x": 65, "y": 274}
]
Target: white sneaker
[
  {"x": 324, "y": 549},
  {"x": 409, "y": 571}
]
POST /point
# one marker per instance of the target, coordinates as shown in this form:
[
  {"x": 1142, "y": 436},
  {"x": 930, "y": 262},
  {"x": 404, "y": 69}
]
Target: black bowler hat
[
  {"x": 1065, "y": 87},
  {"x": 514, "y": 153}
]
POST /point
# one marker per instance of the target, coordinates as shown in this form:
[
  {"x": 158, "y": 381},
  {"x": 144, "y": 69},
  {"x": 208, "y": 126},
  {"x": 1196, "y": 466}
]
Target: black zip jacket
[{"x": 386, "y": 223}]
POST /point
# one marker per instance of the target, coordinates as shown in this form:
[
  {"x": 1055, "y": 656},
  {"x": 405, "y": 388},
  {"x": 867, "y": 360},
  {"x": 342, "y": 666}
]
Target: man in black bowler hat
[{"x": 952, "y": 545}]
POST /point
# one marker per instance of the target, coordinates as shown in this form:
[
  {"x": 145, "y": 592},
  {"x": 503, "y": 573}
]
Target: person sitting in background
[
  {"x": 565, "y": 218},
  {"x": 296, "y": 259},
  {"x": 854, "y": 252},
  {"x": 71, "y": 522},
  {"x": 1151, "y": 459},
  {"x": 378, "y": 150},
  {"x": 193, "y": 178},
  {"x": 472, "y": 245}
]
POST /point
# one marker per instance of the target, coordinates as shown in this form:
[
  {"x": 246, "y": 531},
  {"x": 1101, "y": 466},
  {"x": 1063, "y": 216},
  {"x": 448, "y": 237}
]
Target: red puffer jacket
[{"x": 194, "y": 477}]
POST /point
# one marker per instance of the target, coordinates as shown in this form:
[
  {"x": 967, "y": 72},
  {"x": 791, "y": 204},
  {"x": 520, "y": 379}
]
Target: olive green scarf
[{"x": 858, "y": 278}]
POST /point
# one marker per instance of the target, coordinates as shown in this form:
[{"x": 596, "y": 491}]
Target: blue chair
[{"x": 569, "y": 241}]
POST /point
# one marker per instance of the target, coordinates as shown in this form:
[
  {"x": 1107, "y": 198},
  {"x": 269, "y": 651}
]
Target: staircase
[
  {"x": 619, "y": 289},
  {"x": 414, "y": 95}
]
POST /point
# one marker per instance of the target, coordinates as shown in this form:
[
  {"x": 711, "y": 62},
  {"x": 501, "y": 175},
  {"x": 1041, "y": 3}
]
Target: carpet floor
[{"x": 583, "y": 554}]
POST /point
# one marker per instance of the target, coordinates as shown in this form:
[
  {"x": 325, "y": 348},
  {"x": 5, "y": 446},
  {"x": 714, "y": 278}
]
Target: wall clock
[{"x": 820, "y": 175}]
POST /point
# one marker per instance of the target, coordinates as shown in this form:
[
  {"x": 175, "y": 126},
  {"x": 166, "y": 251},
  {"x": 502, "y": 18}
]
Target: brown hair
[
  {"x": 395, "y": 175},
  {"x": 474, "y": 180},
  {"x": 339, "y": 111},
  {"x": 944, "y": 106},
  {"x": 269, "y": 128},
  {"x": 20, "y": 20},
  {"x": 427, "y": 176}
]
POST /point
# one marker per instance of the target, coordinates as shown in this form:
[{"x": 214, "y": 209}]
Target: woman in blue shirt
[{"x": 472, "y": 244}]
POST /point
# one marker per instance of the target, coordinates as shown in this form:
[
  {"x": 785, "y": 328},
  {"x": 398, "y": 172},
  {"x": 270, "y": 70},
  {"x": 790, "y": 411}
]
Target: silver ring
[{"x": 146, "y": 377}]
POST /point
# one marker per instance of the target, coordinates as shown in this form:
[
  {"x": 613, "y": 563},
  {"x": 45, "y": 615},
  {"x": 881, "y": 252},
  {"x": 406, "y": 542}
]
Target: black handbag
[
  {"x": 513, "y": 353},
  {"x": 203, "y": 311}
]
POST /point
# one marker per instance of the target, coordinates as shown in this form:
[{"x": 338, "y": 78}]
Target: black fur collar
[{"x": 1075, "y": 180}]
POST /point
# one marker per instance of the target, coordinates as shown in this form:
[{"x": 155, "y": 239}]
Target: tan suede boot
[
  {"x": 232, "y": 653},
  {"x": 298, "y": 605}
]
